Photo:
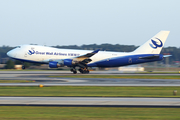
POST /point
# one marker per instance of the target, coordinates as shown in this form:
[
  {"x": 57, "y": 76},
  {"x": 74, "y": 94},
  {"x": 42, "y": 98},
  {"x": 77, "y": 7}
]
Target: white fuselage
[{"x": 44, "y": 54}]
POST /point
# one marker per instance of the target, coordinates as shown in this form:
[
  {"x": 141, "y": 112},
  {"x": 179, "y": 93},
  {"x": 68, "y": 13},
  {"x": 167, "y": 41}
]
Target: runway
[
  {"x": 90, "y": 101},
  {"x": 41, "y": 77}
]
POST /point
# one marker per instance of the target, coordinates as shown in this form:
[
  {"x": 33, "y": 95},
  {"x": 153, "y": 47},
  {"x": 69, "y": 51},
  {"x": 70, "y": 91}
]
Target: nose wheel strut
[{"x": 23, "y": 66}]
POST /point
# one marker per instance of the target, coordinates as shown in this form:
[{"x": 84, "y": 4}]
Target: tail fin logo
[{"x": 156, "y": 43}]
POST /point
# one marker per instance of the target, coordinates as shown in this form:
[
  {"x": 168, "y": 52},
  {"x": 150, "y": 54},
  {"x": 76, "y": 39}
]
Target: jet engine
[{"x": 60, "y": 63}]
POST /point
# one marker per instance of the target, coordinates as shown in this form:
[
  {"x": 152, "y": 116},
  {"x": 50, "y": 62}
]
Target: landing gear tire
[
  {"x": 85, "y": 71},
  {"x": 74, "y": 71},
  {"x": 23, "y": 67}
]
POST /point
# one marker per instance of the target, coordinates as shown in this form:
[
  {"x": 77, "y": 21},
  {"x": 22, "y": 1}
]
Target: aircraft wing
[
  {"x": 85, "y": 58},
  {"x": 80, "y": 61}
]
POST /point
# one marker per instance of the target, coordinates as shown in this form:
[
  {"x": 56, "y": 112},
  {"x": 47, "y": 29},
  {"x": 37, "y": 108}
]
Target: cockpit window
[{"x": 18, "y": 47}]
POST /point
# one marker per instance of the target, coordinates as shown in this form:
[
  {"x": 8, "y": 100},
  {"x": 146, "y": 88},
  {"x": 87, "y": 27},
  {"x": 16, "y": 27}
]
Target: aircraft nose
[{"x": 10, "y": 53}]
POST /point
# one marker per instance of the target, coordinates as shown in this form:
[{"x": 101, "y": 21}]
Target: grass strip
[
  {"x": 87, "y": 113},
  {"x": 16, "y": 81},
  {"x": 122, "y": 76},
  {"x": 97, "y": 91}
]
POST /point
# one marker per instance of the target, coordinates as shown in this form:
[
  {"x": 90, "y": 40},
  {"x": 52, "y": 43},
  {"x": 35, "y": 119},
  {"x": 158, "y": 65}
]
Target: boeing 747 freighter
[{"x": 82, "y": 59}]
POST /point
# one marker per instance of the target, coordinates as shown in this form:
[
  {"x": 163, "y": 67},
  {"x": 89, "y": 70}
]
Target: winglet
[{"x": 96, "y": 51}]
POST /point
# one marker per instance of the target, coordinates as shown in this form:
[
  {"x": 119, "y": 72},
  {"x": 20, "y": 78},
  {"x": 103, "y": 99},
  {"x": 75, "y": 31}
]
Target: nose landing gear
[{"x": 23, "y": 66}]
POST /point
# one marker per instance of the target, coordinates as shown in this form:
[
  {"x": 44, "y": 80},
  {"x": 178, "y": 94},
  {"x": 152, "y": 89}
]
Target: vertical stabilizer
[{"x": 154, "y": 45}]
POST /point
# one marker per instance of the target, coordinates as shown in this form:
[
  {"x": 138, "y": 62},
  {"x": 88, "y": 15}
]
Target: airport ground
[
  {"x": 105, "y": 98},
  {"x": 87, "y": 113}
]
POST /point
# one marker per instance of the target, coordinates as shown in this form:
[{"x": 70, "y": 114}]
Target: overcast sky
[{"x": 78, "y": 22}]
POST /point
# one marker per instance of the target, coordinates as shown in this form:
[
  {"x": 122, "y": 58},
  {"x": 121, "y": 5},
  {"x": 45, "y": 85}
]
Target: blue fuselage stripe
[
  {"x": 124, "y": 60},
  {"x": 116, "y": 61}
]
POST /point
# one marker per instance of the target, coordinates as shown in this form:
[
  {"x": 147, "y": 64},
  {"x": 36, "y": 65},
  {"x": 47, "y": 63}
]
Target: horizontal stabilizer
[{"x": 167, "y": 56}]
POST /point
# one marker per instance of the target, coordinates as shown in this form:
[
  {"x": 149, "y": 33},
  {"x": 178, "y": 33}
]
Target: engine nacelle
[
  {"x": 53, "y": 64},
  {"x": 61, "y": 63},
  {"x": 67, "y": 62}
]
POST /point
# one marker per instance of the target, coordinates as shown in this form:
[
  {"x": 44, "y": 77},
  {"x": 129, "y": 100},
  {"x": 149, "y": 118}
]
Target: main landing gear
[
  {"x": 84, "y": 70},
  {"x": 81, "y": 70},
  {"x": 74, "y": 70}
]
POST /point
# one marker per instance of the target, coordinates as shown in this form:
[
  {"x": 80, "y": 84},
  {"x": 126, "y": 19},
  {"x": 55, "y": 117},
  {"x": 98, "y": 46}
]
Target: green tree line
[{"x": 4, "y": 50}]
